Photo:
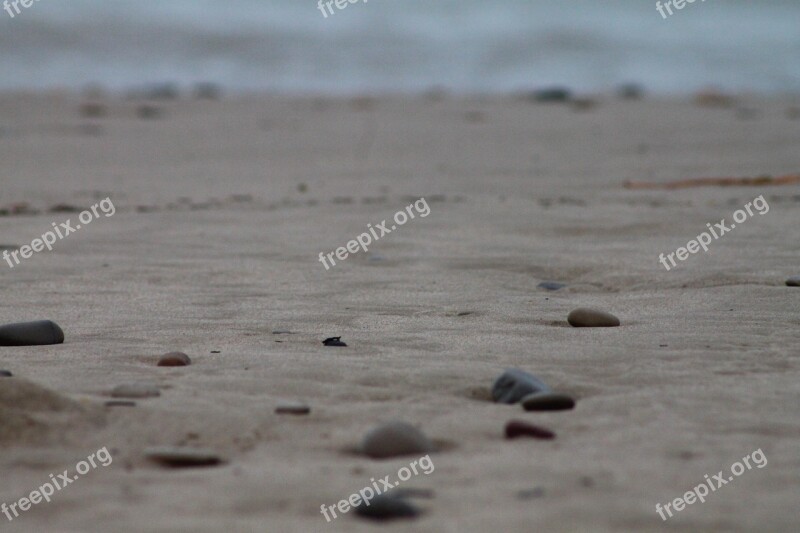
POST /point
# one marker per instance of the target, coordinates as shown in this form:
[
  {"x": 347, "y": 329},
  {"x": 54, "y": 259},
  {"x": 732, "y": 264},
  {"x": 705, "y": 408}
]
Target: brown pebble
[
  {"x": 520, "y": 428},
  {"x": 585, "y": 317},
  {"x": 174, "y": 359}
]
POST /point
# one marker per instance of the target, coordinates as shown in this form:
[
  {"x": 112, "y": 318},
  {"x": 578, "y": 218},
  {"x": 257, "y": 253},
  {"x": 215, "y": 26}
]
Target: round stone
[
  {"x": 136, "y": 390},
  {"x": 387, "y": 507},
  {"x": 514, "y": 384},
  {"x": 6, "y": 374},
  {"x": 793, "y": 281},
  {"x": 174, "y": 359},
  {"x": 292, "y": 409},
  {"x": 585, "y": 317},
  {"x": 547, "y": 401},
  {"x": 39, "y": 333},
  {"x": 520, "y": 428},
  {"x": 395, "y": 439},
  {"x": 182, "y": 457}
]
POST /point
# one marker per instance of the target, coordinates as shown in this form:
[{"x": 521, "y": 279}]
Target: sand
[{"x": 221, "y": 211}]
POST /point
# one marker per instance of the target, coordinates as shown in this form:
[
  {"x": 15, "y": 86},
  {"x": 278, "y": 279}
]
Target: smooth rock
[
  {"x": 514, "y": 384},
  {"x": 520, "y": 428},
  {"x": 292, "y": 409},
  {"x": 174, "y": 359},
  {"x": 551, "y": 285},
  {"x": 395, "y": 439},
  {"x": 6, "y": 374},
  {"x": 547, "y": 401},
  {"x": 39, "y": 333},
  {"x": 387, "y": 507},
  {"x": 793, "y": 282},
  {"x": 333, "y": 341},
  {"x": 551, "y": 95},
  {"x": 182, "y": 457},
  {"x": 585, "y": 317},
  {"x": 120, "y": 403},
  {"x": 136, "y": 390}
]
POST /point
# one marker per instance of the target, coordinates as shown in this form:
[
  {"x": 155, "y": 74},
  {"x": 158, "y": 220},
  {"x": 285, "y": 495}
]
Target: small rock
[
  {"x": 136, "y": 390},
  {"x": 387, "y": 507},
  {"x": 333, "y": 341},
  {"x": 630, "y": 91},
  {"x": 120, "y": 403},
  {"x": 519, "y": 428},
  {"x": 292, "y": 409},
  {"x": 40, "y": 333},
  {"x": 547, "y": 401},
  {"x": 529, "y": 494},
  {"x": 6, "y": 374},
  {"x": 182, "y": 457},
  {"x": 395, "y": 439},
  {"x": 148, "y": 112},
  {"x": 551, "y": 285},
  {"x": 514, "y": 384},
  {"x": 793, "y": 282},
  {"x": 64, "y": 208},
  {"x": 585, "y": 317},
  {"x": 551, "y": 95},
  {"x": 174, "y": 359}
]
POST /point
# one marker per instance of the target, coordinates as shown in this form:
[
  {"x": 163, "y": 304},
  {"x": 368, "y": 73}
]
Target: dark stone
[
  {"x": 395, "y": 439},
  {"x": 631, "y": 91},
  {"x": 180, "y": 457},
  {"x": 547, "y": 401},
  {"x": 529, "y": 494},
  {"x": 40, "y": 333},
  {"x": 174, "y": 359},
  {"x": 519, "y": 428},
  {"x": 793, "y": 282},
  {"x": 514, "y": 384},
  {"x": 585, "y": 317},
  {"x": 551, "y": 285},
  {"x": 292, "y": 409},
  {"x": 147, "y": 112},
  {"x": 120, "y": 403},
  {"x": 387, "y": 507},
  {"x": 333, "y": 341},
  {"x": 6, "y": 374},
  {"x": 552, "y": 95}
]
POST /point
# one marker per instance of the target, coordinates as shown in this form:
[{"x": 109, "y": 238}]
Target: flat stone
[
  {"x": 333, "y": 341},
  {"x": 292, "y": 409},
  {"x": 585, "y": 317},
  {"x": 136, "y": 390},
  {"x": 387, "y": 507},
  {"x": 520, "y": 428},
  {"x": 174, "y": 359},
  {"x": 395, "y": 439},
  {"x": 514, "y": 384},
  {"x": 6, "y": 374},
  {"x": 182, "y": 457},
  {"x": 547, "y": 401},
  {"x": 39, "y": 333},
  {"x": 793, "y": 281},
  {"x": 551, "y": 285},
  {"x": 120, "y": 403}
]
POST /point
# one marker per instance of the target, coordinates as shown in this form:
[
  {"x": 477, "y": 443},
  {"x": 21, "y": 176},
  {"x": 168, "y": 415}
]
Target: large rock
[
  {"x": 514, "y": 384},
  {"x": 39, "y": 333}
]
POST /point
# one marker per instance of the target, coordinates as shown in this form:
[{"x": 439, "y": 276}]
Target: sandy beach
[{"x": 221, "y": 211}]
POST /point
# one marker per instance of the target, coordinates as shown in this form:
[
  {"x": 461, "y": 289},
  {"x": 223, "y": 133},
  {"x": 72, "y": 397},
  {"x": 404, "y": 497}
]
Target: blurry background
[{"x": 403, "y": 45}]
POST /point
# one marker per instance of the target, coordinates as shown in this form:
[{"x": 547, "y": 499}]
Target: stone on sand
[
  {"x": 520, "y": 428},
  {"x": 174, "y": 359},
  {"x": 793, "y": 281},
  {"x": 39, "y": 333},
  {"x": 387, "y": 507},
  {"x": 585, "y": 317},
  {"x": 182, "y": 457},
  {"x": 547, "y": 401},
  {"x": 514, "y": 384},
  {"x": 292, "y": 408},
  {"x": 395, "y": 439},
  {"x": 136, "y": 390},
  {"x": 6, "y": 374}
]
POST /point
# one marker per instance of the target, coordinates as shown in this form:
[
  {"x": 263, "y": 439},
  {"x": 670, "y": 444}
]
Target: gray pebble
[
  {"x": 387, "y": 507},
  {"x": 547, "y": 401},
  {"x": 793, "y": 282},
  {"x": 585, "y": 317},
  {"x": 551, "y": 285},
  {"x": 514, "y": 384},
  {"x": 292, "y": 409},
  {"x": 136, "y": 390},
  {"x": 182, "y": 457},
  {"x": 120, "y": 403},
  {"x": 6, "y": 374},
  {"x": 39, "y": 333},
  {"x": 395, "y": 439}
]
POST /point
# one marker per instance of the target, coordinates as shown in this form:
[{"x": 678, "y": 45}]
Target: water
[{"x": 403, "y": 45}]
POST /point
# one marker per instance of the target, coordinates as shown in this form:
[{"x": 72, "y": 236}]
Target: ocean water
[{"x": 404, "y": 45}]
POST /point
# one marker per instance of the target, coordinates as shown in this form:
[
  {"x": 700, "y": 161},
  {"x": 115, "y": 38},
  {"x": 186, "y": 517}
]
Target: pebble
[
  {"x": 529, "y": 494},
  {"x": 547, "y": 401},
  {"x": 120, "y": 403},
  {"x": 519, "y": 428},
  {"x": 793, "y": 282},
  {"x": 551, "y": 285},
  {"x": 333, "y": 341},
  {"x": 514, "y": 384},
  {"x": 39, "y": 333},
  {"x": 292, "y": 409},
  {"x": 552, "y": 94},
  {"x": 182, "y": 457},
  {"x": 387, "y": 507},
  {"x": 6, "y": 374},
  {"x": 585, "y": 317},
  {"x": 174, "y": 359},
  {"x": 395, "y": 439},
  {"x": 136, "y": 390}
]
